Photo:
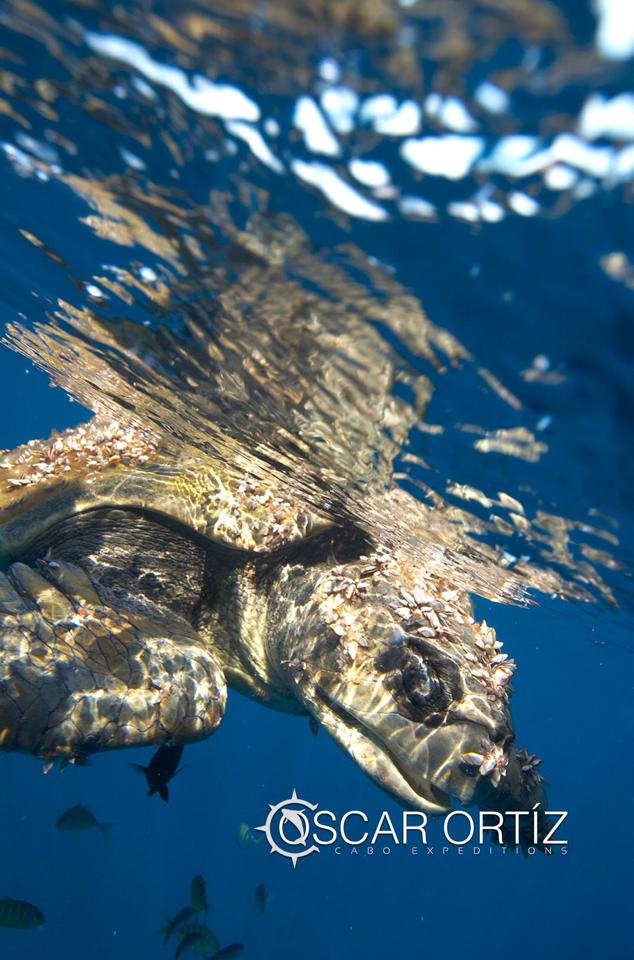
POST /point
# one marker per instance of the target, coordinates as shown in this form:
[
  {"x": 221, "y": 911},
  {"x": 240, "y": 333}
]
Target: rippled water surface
[{"x": 348, "y": 247}]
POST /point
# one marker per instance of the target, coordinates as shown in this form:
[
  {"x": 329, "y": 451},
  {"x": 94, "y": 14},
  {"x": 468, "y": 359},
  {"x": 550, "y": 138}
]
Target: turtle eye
[
  {"x": 416, "y": 679},
  {"x": 420, "y": 680}
]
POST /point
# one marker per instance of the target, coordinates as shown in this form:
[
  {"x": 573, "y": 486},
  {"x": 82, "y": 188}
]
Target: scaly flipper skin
[{"x": 80, "y": 673}]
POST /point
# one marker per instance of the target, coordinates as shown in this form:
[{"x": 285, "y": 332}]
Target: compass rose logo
[{"x": 287, "y": 828}]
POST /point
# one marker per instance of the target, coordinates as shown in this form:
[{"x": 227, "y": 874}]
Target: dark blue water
[{"x": 509, "y": 292}]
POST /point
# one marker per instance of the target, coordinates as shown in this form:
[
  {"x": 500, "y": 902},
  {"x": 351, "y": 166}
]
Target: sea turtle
[{"x": 138, "y": 586}]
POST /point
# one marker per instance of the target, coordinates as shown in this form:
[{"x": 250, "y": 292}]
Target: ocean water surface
[{"x": 437, "y": 198}]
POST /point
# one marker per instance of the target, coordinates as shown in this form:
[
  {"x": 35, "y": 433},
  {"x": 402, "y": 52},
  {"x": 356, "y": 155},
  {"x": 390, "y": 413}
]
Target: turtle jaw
[
  {"x": 422, "y": 768},
  {"x": 432, "y": 774}
]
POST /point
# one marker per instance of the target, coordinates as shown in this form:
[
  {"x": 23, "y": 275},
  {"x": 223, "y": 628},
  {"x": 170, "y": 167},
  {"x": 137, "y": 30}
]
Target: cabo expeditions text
[{"x": 459, "y": 828}]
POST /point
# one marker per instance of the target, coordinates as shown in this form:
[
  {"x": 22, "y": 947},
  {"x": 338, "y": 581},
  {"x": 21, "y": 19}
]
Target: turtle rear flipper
[{"x": 81, "y": 670}]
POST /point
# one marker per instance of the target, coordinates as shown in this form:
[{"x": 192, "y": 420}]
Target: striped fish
[{"x": 19, "y": 915}]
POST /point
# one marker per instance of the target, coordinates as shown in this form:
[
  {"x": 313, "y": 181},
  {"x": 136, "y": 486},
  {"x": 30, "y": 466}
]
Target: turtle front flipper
[{"x": 81, "y": 670}]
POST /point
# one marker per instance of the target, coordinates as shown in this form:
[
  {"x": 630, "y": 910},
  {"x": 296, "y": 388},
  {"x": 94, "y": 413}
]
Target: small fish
[
  {"x": 198, "y": 895},
  {"x": 207, "y": 943},
  {"x": 313, "y": 725},
  {"x": 246, "y": 837},
  {"x": 233, "y": 950},
  {"x": 187, "y": 943},
  {"x": 184, "y": 916},
  {"x": 261, "y": 896},
  {"x": 19, "y": 914},
  {"x": 162, "y": 768},
  {"x": 80, "y": 818}
]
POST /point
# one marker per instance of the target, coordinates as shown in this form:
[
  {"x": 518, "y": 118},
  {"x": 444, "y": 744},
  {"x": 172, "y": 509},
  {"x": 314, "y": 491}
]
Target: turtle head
[{"x": 396, "y": 669}]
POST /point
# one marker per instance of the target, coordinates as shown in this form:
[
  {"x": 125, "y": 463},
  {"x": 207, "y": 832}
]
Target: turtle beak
[{"x": 424, "y": 768}]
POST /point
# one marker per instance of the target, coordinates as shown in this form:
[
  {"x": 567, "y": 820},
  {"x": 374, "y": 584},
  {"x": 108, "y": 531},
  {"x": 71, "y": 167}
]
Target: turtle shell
[{"x": 105, "y": 464}]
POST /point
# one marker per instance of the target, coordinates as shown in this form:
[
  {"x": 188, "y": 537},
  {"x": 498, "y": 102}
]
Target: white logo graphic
[
  {"x": 287, "y": 828},
  {"x": 296, "y": 828}
]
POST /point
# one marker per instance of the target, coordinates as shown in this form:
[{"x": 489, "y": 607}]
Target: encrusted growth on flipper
[{"x": 78, "y": 675}]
